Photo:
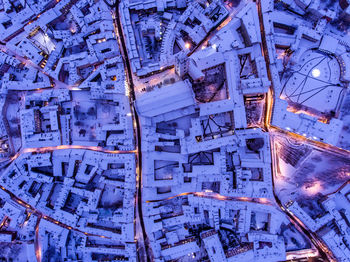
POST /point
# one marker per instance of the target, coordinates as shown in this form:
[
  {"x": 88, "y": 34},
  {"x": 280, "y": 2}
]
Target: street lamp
[{"x": 316, "y": 72}]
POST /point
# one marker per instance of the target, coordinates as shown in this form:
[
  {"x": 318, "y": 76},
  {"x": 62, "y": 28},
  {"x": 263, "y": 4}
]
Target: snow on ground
[
  {"x": 147, "y": 84},
  {"x": 314, "y": 82},
  {"x": 88, "y": 116},
  {"x": 308, "y": 178}
]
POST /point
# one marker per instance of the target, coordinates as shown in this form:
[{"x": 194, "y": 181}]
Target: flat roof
[{"x": 166, "y": 99}]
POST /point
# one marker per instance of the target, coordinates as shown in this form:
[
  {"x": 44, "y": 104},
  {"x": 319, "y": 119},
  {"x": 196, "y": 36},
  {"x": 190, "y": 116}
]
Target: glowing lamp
[{"x": 316, "y": 72}]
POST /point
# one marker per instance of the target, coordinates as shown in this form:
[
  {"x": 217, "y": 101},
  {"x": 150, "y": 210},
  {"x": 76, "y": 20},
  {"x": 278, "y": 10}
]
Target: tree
[{"x": 91, "y": 111}]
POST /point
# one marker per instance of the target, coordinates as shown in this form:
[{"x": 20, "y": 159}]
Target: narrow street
[
  {"x": 37, "y": 246},
  {"x": 143, "y": 248},
  {"x": 43, "y": 216},
  {"x": 217, "y": 196},
  {"x": 324, "y": 252}
]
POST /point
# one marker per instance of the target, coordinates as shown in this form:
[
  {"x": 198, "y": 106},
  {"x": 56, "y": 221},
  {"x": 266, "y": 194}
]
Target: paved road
[
  {"x": 139, "y": 214},
  {"x": 322, "y": 249}
]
